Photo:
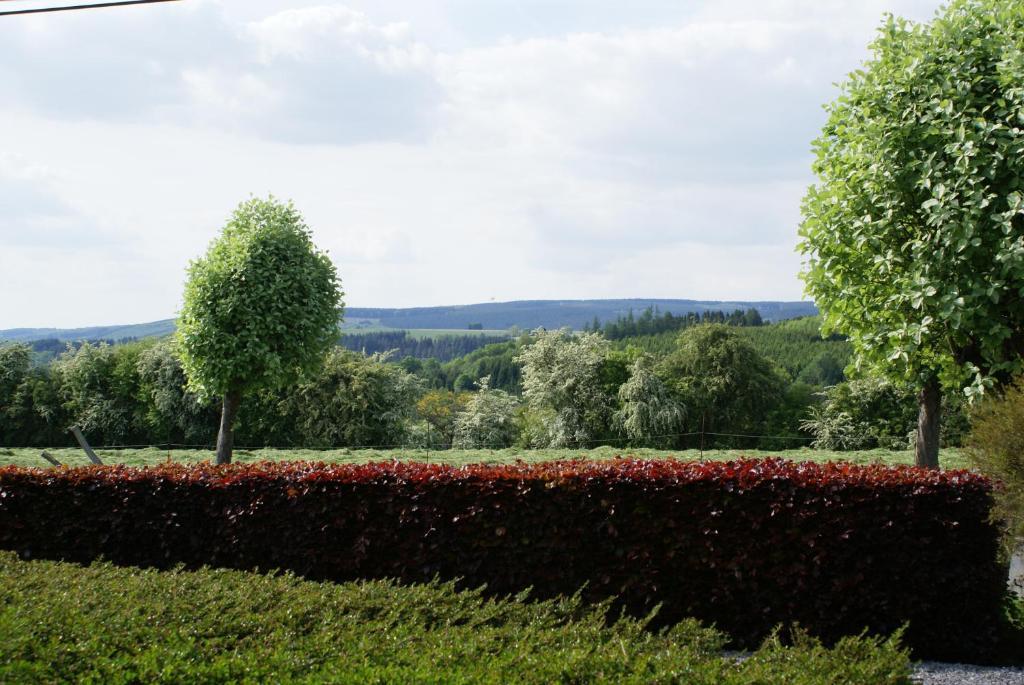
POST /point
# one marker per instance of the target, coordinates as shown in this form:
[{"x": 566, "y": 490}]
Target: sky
[{"x": 443, "y": 152}]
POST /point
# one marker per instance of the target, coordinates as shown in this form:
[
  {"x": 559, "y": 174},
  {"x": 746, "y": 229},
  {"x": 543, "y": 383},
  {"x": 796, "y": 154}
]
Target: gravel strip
[
  {"x": 936, "y": 673},
  {"x": 941, "y": 673}
]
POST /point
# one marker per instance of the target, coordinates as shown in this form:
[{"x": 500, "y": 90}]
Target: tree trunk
[
  {"x": 226, "y": 436},
  {"x": 929, "y": 414}
]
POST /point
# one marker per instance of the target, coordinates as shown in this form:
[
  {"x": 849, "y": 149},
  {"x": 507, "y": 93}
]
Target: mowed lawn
[{"x": 30, "y": 456}]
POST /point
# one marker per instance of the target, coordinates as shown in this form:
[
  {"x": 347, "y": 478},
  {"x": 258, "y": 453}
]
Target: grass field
[
  {"x": 104, "y": 624},
  {"x": 425, "y": 332},
  {"x": 449, "y": 332},
  {"x": 949, "y": 458}
]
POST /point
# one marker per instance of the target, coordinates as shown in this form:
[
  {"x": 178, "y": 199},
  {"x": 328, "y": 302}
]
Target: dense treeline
[
  {"x": 710, "y": 384},
  {"x": 652, "y": 322},
  {"x": 495, "y": 361},
  {"x": 55, "y": 345},
  {"x": 443, "y": 348},
  {"x": 795, "y": 346},
  {"x": 135, "y": 394},
  {"x": 48, "y": 348},
  {"x": 552, "y": 314}
]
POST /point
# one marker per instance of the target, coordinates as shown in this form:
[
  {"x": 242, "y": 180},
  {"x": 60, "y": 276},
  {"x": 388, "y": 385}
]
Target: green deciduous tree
[
  {"x": 31, "y": 412},
  {"x": 353, "y": 400},
  {"x": 649, "y": 415},
  {"x": 98, "y": 386},
  {"x": 260, "y": 308},
  {"x": 564, "y": 378},
  {"x": 15, "y": 365},
  {"x": 489, "y": 419},
  {"x": 724, "y": 383},
  {"x": 440, "y": 409},
  {"x": 914, "y": 234},
  {"x": 172, "y": 413}
]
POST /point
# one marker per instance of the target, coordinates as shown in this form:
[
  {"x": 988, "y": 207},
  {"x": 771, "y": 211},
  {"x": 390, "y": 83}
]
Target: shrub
[
  {"x": 746, "y": 545},
  {"x": 172, "y": 412},
  {"x": 873, "y": 412},
  {"x": 996, "y": 447},
  {"x": 535, "y": 427},
  {"x": 217, "y": 626},
  {"x": 1012, "y": 631}
]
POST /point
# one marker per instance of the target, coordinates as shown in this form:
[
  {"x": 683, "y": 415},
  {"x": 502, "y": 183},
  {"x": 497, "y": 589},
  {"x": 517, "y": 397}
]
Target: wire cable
[
  {"x": 169, "y": 446},
  {"x": 91, "y": 6}
]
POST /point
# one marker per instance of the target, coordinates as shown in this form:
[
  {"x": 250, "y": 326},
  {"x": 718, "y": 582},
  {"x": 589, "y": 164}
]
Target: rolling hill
[{"x": 525, "y": 314}]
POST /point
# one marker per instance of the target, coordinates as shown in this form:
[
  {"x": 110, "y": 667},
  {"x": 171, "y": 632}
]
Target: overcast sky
[{"x": 445, "y": 152}]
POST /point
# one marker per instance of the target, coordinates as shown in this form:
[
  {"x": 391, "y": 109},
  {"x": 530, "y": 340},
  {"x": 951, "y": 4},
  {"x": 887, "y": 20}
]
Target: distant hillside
[
  {"x": 138, "y": 330},
  {"x": 526, "y": 314},
  {"x": 529, "y": 314}
]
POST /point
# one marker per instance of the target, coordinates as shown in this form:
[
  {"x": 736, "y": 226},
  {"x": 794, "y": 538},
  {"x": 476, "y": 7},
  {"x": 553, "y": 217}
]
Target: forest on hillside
[{"x": 401, "y": 344}]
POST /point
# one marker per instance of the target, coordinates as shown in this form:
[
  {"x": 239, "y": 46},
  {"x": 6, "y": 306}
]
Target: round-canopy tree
[
  {"x": 261, "y": 307},
  {"x": 914, "y": 233}
]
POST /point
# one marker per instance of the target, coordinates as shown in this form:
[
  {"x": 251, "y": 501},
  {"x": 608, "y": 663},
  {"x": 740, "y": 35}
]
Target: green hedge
[{"x": 103, "y": 624}]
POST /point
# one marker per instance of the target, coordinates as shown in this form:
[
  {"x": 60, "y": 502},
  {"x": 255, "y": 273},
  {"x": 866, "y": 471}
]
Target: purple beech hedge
[{"x": 746, "y": 545}]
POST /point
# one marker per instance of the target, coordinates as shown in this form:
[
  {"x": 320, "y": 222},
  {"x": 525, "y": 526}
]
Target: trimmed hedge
[{"x": 745, "y": 545}]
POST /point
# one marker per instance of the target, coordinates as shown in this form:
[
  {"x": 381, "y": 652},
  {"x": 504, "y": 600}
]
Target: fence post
[
  {"x": 50, "y": 459},
  {"x": 85, "y": 446},
  {"x": 702, "y": 435}
]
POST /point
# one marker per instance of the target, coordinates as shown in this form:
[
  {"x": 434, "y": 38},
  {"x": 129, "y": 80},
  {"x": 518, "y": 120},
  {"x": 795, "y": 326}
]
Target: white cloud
[
  {"x": 318, "y": 74},
  {"x": 442, "y": 154},
  {"x": 33, "y": 213},
  {"x": 321, "y": 75},
  {"x": 708, "y": 100},
  {"x": 321, "y": 32}
]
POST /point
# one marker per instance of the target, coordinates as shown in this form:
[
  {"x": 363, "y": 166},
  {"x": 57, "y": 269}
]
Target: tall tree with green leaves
[
  {"x": 260, "y": 309},
  {"x": 563, "y": 381},
  {"x": 914, "y": 233},
  {"x": 489, "y": 419},
  {"x": 441, "y": 410},
  {"x": 648, "y": 413},
  {"x": 354, "y": 400},
  {"x": 724, "y": 383}
]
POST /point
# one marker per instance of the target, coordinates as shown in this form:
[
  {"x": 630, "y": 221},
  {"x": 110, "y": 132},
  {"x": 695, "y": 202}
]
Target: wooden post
[
  {"x": 85, "y": 446},
  {"x": 702, "y": 435},
  {"x": 50, "y": 459}
]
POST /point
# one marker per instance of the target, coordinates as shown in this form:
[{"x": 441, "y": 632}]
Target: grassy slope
[
  {"x": 451, "y": 332},
  {"x": 419, "y": 333},
  {"x": 102, "y": 624},
  {"x": 949, "y": 458}
]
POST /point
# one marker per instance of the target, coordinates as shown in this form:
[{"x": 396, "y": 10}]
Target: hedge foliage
[
  {"x": 996, "y": 448},
  {"x": 745, "y": 545},
  {"x": 128, "y": 626}
]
